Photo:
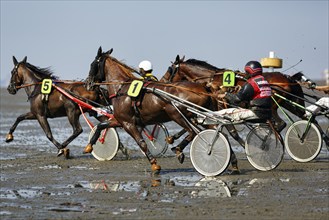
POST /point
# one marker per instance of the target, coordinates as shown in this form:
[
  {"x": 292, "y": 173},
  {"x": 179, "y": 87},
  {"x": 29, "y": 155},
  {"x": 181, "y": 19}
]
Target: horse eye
[{"x": 170, "y": 70}]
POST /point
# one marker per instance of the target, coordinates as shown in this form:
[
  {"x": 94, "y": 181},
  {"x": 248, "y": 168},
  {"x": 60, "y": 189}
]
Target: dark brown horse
[
  {"x": 199, "y": 71},
  {"x": 53, "y": 105},
  {"x": 148, "y": 108}
]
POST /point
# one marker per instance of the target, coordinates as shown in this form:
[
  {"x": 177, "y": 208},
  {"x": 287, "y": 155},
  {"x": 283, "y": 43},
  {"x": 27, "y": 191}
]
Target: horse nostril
[{"x": 12, "y": 90}]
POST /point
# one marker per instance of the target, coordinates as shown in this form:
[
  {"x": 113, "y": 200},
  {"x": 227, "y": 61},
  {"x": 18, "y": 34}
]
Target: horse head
[
  {"x": 16, "y": 76},
  {"x": 27, "y": 74},
  {"x": 171, "y": 74},
  {"x": 300, "y": 77},
  {"x": 96, "y": 73}
]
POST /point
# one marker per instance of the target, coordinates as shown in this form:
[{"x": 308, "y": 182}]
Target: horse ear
[
  {"x": 24, "y": 60},
  {"x": 110, "y": 51},
  {"x": 15, "y": 60},
  {"x": 177, "y": 58},
  {"x": 182, "y": 60},
  {"x": 99, "y": 52}
]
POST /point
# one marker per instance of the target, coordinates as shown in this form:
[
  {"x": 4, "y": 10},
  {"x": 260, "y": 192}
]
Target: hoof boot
[
  {"x": 180, "y": 156},
  {"x": 67, "y": 153},
  {"x": 234, "y": 171},
  {"x": 170, "y": 140},
  {"x": 9, "y": 137},
  {"x": 155, "y": 167},
  {"x": 60, "y": 152},
  {"x": 88, "y": 149}
]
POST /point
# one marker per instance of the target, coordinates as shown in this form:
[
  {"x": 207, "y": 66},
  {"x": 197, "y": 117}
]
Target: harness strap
[{"x": 112, "y": 96}]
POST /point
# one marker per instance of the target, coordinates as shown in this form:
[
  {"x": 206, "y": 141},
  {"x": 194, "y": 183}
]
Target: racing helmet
[
  {"x": 253, "y": 68},
  {"x": 145, "y": 65}
]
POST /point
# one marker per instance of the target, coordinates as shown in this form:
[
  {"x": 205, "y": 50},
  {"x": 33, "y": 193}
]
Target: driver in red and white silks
[{"x": 256, "y": 91}]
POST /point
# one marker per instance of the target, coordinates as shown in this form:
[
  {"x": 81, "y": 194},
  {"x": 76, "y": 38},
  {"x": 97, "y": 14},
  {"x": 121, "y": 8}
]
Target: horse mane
[
  {"x": 42, "y": 72},
  {"x": 130, "y": 69},
  {"x": 203, "y": 64},
  {"x": 297, "y": 76}
]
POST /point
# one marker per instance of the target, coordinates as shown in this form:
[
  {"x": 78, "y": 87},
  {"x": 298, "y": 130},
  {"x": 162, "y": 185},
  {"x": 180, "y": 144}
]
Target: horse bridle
[
  {"x": 13, "y": 72},
  {"x": 172, "y": 71}
]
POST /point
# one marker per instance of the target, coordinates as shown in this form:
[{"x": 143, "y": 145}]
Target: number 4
[{"x": 228, "y": 78}]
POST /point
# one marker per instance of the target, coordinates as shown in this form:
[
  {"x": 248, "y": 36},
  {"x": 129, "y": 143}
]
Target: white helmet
[{"x": 145, "y": 65}]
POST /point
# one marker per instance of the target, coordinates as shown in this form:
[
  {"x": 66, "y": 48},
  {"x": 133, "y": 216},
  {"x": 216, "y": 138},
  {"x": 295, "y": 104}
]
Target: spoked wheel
[
  {"x": 303, "y": 145},
  {"x": 210, "y": 160},
  {"x": 155, "y": 137},
  {"x": 107, "y": 144},
  {"x": 263, "y": 148}
]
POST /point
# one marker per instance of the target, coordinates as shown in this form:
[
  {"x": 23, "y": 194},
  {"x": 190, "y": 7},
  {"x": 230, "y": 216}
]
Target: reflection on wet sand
[
  {"x": 211, "y": 187},
  {"x": 206, "y": 187}
]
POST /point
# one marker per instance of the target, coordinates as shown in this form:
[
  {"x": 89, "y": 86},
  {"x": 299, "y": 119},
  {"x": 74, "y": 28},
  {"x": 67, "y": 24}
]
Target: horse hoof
[
  {"x": 180, "y": 157},
  {"x": 60, "y": 152},
  {"x": 155, "y": 167},
  {"x": 88, "y": 149},
  {"x": 66, "y": 153},
  {"x": 9, "y": 137},
  {"x": 234, "y": 171},
  {"x": 170, "y": 140}
]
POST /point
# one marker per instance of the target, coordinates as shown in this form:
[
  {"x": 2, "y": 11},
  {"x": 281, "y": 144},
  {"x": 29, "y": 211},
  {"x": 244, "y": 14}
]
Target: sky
[{"x": 65, "y": 35}]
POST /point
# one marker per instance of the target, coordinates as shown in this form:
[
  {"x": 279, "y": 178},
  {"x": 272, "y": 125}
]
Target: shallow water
[{"x": 35, "y": 184}]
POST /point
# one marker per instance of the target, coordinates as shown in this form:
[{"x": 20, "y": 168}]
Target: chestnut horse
[
  {"x": 199, "y": 71},
  {"x": 147, "y": 108},
  {"x": 53, "y": 105}
]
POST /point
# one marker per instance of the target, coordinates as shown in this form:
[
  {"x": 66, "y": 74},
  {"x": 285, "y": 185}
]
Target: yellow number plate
[
  {"x": 135, "y": 88},
  {"x": 229, "y": 78},
  {"x": 46, "y": 86}
]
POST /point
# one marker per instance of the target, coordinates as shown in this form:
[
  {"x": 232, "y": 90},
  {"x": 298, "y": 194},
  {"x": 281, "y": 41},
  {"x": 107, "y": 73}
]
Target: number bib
[
  {"x": 135, "y": 88},
  {"x": 229, "y": 78},
  {"x": 46, "y": 86}
]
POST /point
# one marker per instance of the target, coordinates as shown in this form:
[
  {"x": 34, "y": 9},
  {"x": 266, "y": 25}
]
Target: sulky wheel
[
  {"x": 107, "y": 144},
  {"x": 208, "y": 159}
]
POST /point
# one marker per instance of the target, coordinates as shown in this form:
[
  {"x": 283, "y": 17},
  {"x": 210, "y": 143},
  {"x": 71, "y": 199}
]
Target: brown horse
[
  {"x": 53, "y": 105},
  {"x": 199, "y": 71},
  {"x": 147, "y": 108}
]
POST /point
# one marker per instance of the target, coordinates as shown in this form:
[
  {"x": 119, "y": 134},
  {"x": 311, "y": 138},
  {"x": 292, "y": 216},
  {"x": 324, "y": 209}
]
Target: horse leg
[
  {"x": 136, "y": 134},
  {"x": 45, "y": 126},
  {"x": 178, "y": 150},
  {"x": 234, "y": 161},
  {"x": 171, "y": 139},
  {"x": 89, "y": 148},
  {"x": 101, "y": 126},
  {"x": 279, "y": 124},
  {"x": 77, "y": 129},
  {"x": 26, "y": 116}
]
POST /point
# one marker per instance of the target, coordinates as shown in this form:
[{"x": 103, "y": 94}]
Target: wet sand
[
  {"x": 35, "y": 184},
  {"x": 42, "y": 186}
]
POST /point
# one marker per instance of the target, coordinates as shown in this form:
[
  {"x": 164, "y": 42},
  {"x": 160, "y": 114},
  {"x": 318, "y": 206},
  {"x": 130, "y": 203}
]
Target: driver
[
  {"x": 145, "y": 68},
  {"x": 256, "y": 92}
]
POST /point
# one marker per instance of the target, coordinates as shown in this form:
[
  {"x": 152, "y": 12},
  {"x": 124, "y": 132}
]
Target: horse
[
  {"x": 53, "y": 105},
  {"x": 200, "y": 71},
  {"x": 147, "y": 108}
]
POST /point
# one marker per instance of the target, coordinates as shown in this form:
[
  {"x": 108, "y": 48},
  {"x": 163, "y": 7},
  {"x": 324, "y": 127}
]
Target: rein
[
  {"x": 207, "y": 77},
  {"x": 159, "y": 83},
  {"x": 54, "y": 81}
]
